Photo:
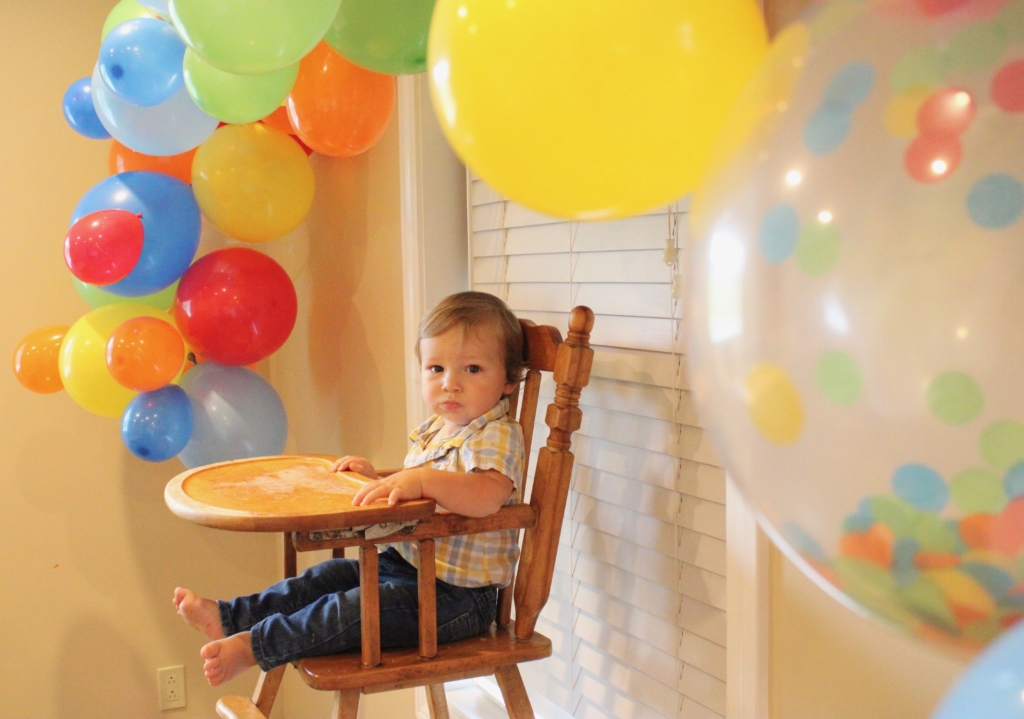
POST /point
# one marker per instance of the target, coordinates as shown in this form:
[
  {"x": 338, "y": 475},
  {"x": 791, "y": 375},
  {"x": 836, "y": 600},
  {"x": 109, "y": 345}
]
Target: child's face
[{"x": 463, "y": 374}]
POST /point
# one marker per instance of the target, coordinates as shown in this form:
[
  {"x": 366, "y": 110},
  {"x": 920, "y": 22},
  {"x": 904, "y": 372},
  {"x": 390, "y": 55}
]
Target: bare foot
[
  {"x": 200, "y": 613},
  {"x": 227, "y": 658}
]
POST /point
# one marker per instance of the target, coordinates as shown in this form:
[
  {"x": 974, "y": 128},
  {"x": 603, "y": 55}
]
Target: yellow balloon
[
  {"x": 83, "y": 358},
  {"x": 590, "y": 110},
  {"x": 253, "y": 182}
]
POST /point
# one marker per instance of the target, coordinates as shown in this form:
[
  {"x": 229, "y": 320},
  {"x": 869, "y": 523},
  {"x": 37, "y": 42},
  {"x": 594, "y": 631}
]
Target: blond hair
[{"x": 470, "y": 310}]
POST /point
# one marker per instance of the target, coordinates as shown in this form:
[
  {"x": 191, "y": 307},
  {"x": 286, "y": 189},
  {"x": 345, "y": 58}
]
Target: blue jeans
[{"x": 317, "y": 612}]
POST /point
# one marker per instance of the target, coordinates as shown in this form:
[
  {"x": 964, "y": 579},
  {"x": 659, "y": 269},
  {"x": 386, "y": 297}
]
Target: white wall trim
[
  {"x": 747, "y": 610},
  {"x": 413, "y": 233}
]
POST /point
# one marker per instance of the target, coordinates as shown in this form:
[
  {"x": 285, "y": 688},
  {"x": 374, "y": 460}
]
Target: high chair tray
[{"x": 289, "y": 493}]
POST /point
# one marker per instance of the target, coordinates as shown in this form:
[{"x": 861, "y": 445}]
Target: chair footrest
[
  {"x": 475, "y": 656},
  {"x": 238, "y": 708}
]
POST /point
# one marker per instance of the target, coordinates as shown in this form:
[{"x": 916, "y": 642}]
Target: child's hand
[
  {"x": 401, "y": 485},
  {"x": 358, "y": 465}
]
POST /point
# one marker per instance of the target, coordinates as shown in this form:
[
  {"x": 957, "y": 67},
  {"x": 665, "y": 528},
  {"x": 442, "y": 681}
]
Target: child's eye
[
  {"x": 435, "y": 368},
  {"x": 473, "y": 368}
]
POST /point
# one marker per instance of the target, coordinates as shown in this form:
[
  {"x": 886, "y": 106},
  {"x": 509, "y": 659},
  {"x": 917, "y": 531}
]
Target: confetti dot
[
  {"x": 1013, "y": 481},
  {"x": 1002, "y": 444},
  {"x": 932, "y": 158},
  {"x": 935, "y": 8},
  {"x": 839, "y": 377},
  {"x": 859, "y": 522},
  {"x": 774, "y": 403},
  {"x": 976, "y": 47},
  {"x": 817, "y": 248},
  {"x": 901, "y": 112},
  {"x": 995, "y": 581},
  {"x": 934, "y": 535},
  {"x": 827, "y": 129},
  {"x": 948, "y": 111},
  {"x": 924, "y": 66},
  {"x": 955, "y": 398},
  {"x": 962, "y": 590},
  {"x": 921, "y": 486},
  {"x": 898, "y": 515},
  {"x": 977, "y": 491},
  {"x": 995, "y": 201},
  {"x": 850, "y": 86},
  {"x": 1008, "y": 87},
  {"x": 924, "y": 597},
  {"x": 802, "y": 542},
  {"x": 779, "y": 231}
]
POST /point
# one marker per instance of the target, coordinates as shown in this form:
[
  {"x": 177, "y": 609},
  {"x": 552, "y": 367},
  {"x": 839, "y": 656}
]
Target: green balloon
[
  {"x": 236, "y": 98},
  {"x": 123, "y": 12},
  {"x": 388, "y": 36},
  {"x": 95, "y": 297},
  {"x": 252, "y": 37}
]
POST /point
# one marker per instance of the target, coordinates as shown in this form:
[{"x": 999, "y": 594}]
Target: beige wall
[
  {"x": 90, "y": 553},
  {"x": 829, "y": 663}
]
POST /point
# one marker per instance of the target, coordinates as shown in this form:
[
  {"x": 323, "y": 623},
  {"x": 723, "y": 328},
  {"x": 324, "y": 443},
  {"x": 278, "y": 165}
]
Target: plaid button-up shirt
[{"x": 492, "y": 441}]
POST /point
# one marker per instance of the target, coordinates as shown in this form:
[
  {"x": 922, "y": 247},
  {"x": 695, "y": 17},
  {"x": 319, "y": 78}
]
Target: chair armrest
[{"x": 436, "y": 526}]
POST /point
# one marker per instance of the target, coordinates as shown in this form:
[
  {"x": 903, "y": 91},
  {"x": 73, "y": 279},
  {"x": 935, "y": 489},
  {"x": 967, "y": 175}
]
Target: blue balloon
[
  {"x": 141, "y": 61},
  {"x": 238, "y": 415},
  {"x": 81, "y": 113},
  {"x": 171, "y": 225},
  {"x": 992, "y": 687},
  {"x": 157, "y": 425},
  {"x": 174, "y": 126}
]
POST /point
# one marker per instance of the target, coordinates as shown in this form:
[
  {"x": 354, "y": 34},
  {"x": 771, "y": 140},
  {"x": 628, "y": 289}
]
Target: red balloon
[
  {"x": 103, "y": 247},
  {"x": 235, "y": 306}
]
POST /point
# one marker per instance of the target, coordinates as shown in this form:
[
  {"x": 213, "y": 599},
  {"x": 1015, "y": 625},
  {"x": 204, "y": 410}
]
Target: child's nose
[{"x": 450, "y": 382}]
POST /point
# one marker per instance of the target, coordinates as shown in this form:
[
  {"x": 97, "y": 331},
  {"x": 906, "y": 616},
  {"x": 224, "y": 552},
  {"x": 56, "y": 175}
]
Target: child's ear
[{"x": 510, "y": 387}]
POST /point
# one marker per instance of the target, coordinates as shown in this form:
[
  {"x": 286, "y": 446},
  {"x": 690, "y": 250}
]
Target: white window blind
[{"x": 637, "y": 607}]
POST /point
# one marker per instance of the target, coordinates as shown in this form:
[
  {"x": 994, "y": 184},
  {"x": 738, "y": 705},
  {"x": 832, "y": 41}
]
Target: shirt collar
[{"x": 426, "y": 432}]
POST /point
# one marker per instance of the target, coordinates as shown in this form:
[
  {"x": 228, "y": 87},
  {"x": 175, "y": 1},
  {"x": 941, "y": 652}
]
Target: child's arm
[
  {"x": 359, "y": 465},
  {"x": 471, "y": 494}
]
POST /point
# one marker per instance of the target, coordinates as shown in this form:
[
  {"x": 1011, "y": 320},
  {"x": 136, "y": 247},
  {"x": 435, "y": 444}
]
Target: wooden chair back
[{"x": 500, "y": 650}]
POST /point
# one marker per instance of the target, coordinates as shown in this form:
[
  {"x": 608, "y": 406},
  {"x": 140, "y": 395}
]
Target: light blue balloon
[
  {"x": 81, "y": 113},
  {"x": 992, "y": 687},
  {"x": 237, "y": 415},
  {"x": 157, "y": 6},
  {"x": 171, "y": 225},
  {"x": 174, "y": 126},
  {"x": 157, "y": 425},
  {"x": 141, "y": 61}
]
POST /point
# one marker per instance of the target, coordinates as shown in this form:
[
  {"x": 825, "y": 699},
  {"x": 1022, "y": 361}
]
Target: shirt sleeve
[{"x": 498, "y": 445}]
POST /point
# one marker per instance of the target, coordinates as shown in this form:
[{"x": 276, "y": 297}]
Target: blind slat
[
  {"x": 703, "y": 619},
  {"x": 625, "y": 617},
  {"x": 704, "y": 688}
]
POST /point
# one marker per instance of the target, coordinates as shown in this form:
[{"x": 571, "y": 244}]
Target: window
[{"x": 637, "y": 607}]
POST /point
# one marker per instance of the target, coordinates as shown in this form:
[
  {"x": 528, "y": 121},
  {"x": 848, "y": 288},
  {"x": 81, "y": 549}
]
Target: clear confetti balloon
[{"x": 855, "y": 293}]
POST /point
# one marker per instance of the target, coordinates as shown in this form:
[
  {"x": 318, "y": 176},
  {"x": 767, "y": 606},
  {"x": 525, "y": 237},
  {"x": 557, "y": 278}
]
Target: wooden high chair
[{"x": 499, "y": 650}]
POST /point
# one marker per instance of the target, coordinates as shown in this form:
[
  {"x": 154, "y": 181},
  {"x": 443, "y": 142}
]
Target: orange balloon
[
  {"x": 278, "y": 120},
  {"x": 338, "y": 108},
  {"x": 36, "y": 359},
  {"x": 145, "y": 353},
  {"x": 124, "y": 159}
]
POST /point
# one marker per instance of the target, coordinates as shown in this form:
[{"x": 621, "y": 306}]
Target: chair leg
[
  {"x": 517, "y": 702},
  {"x": 436, "y": 701},
  {"x": 266, "y": 689},
  {"x": 346, "y": 704}
]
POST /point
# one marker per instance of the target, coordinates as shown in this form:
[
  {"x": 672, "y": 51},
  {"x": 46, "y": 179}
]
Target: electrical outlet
[{"x": 171, "y": 687}]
